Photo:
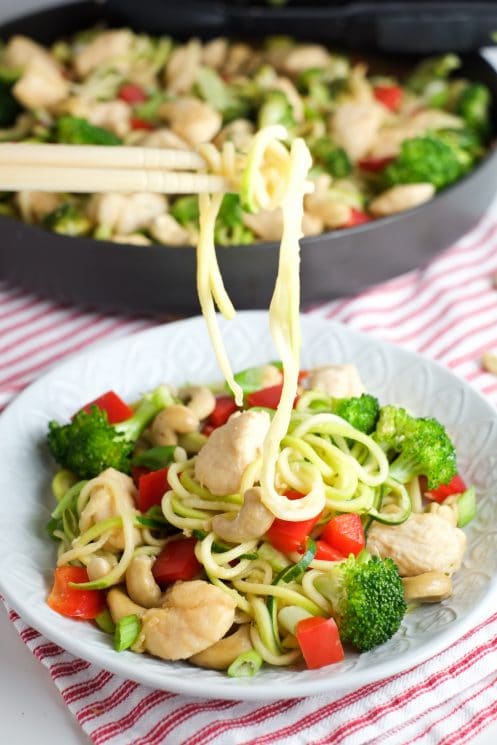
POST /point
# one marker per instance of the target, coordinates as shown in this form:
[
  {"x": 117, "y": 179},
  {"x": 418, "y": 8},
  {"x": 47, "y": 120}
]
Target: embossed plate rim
[{"x": 24, "y": 586}]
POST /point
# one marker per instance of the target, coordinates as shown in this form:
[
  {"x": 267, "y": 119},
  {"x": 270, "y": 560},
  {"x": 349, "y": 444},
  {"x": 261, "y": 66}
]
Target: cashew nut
[
  {"x": 120, "y": 605},
  {"x": 253, "y": 520},
  {"x": 446, "y": 511},
  {"x": 429, "y": 587},
  {"x": 180, "y": 418},
  {"x": 201, "y": 400},
  {"x": 401, "y": 197},
  {"x": 161, "y": 432},
  {"x": 220, "y": 655},
  {"x": 97, "y": 567},
  {"x": 140, "y": 583}
]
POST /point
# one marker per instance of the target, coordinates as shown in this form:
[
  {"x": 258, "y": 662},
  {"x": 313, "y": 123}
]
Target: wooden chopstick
[
  {"x": 90, "y": 180},
  {"x": 89, "y": 156},
  {"x": 92, "y": 168}
]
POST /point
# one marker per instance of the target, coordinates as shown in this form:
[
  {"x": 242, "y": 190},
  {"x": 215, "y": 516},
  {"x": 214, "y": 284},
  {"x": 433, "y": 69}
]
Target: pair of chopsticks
[{"x": 94, "y": 168}]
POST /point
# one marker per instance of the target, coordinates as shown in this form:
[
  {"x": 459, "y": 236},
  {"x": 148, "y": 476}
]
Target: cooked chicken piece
[
  {"x": 191, "y": 119},
  {"x": 168, "y": 231},
  {"x": 390, "y": 137},
  {"x": 229, "y": 450},
  {"x": 164, "y": 137},
  {"x": 126, "y": 213},
  {"x": 355, "y": 126},
  {"x": 240, "y": 132},
  {"x": 401, "y": 197},
  {"x": 40, "y": 86},
  {"x": 21, "y": 52},
  {"x": 332, "y": 214},
  {"x": 182, "y": 66},
  {"x": 303, "y": 56},
  {"x": 112, "y": 115},
  {"x": 239, "y": 59},
  {"x": 266, "y": 224},
  {"x": 35, "y": 205},
  {"x": 214, "y": 53},
  {"x": 109, "y": 495},
  {"x": 312, "y": 224},
  {"x": 194, "y": 616},
  {"x": 108, "y": 46},
  {"x": 425, "y": 542},
  {"x": 339, "y": 381}
]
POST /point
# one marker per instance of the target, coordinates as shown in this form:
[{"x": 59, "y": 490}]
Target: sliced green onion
[
  {"x": 126, "y": 632},
  {"x": 104, "y": 621},
  {"x": 466, "y": 507},
  {"x": 62, "y": 482},
  {"x": 155, "y": 458},
  {"x": 246, "y": 665}
]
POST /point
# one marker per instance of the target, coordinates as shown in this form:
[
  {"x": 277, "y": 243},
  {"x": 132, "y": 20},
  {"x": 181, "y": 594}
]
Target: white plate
[{"x": 181, "y": 351}]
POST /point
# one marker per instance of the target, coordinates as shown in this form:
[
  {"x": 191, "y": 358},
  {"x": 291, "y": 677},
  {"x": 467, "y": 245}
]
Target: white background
[{"x": 31, "y": 709}]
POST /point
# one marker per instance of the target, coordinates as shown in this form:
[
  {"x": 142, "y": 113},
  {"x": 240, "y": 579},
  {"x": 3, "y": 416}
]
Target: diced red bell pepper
[
  {"x": 319, "y": 641},
  {"x": 288, "y": 536},
  {"x": 325, "y": 552},
  {"x": 137, "y": 123},
  {"x": 176, "y": 561},
  {"x": 345, "y": 533},
  {"x": 267, "y": 397},
  {"x": 390, "y": 96},
  {"x": 356, "y": 218},
  {"x": 117, "y": 410},
  {"x": 132, "y": 93},
  {"x": 70, "y": 601},
  {"x": 137, "y": 472},
  {"x": 303, "y": 374},
  {"x": 374, "y": 165},
  {"x": 225, "y": 407},
  {"x": 151, "y": 488},
  {"x": 440, "y": 494}
]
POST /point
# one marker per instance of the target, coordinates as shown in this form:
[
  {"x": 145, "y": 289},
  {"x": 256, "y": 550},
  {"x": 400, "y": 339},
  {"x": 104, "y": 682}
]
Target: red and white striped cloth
[{"x": 447, "y": 311}]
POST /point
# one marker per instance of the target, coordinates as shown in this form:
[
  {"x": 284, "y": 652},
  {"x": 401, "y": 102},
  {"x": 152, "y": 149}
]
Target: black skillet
[{"x": 159, "y": 280}]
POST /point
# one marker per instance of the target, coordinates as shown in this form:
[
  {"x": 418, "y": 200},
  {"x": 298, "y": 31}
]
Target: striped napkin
[{"x": 446, "y": 311}]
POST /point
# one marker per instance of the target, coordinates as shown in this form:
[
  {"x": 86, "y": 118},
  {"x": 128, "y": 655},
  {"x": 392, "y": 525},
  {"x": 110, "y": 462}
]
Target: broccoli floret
[
  {"x": 367, "y": 597},
  {"x": 230, "y": 229},
  {"x": 185, "y": 210},
  {"x": 89, "y": 444},
  {"x": 416, "y": 447},
  {"x": 393, "y": 426},
  {"x": 439, "y": 158},
  {"x": 360, "y": 411},
  {"x": 73, "y": 130},
  {"x": 473, "y": 106},
  {"x": 333, "y": 158},
  {"x": 431, "y": 69},
  {"x": 429, "y": 452},
  {"x": 276, "y": 109},
  {"x": 67, "y": 219}
]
